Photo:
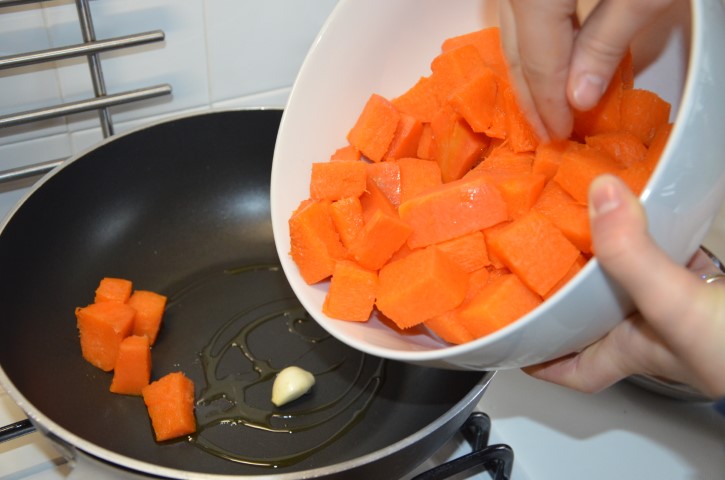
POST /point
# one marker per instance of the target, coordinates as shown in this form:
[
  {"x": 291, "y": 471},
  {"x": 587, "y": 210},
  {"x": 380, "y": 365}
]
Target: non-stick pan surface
[{"x": 182, "y": 208}]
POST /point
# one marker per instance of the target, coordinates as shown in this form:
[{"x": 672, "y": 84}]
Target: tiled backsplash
[{"x": 216, "y": 53}]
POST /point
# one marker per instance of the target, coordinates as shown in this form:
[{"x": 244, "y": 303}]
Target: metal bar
[
  {"x": 40, "y": 56},
  {"x": 102, "y": 101},
  {"x": 83, "y": 105},
  {"x": 12, "y": 3},
  {"x": 28, "y": 171},
  {"x": 94, "y": 63},
  {"x": 15, "y": 430}
]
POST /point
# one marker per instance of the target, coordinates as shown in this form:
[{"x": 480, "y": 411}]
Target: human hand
[
  {"x": 556, "y": 65},
  {"x": 679, "y": 331}
]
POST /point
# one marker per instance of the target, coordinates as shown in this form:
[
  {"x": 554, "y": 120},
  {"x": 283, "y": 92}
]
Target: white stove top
[{"x": 624, "y": 432}]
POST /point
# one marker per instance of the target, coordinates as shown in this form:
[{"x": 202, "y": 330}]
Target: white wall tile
[
  {"x": 180, "y": 60},
  {"x": 44, "y": 149},
  {"x": 21, "y": 30},
  {"x": 271, "y": 98},
  {"x": 257, "y": 46},
  {"x": 217, "y": 54},
  {"x": 18, "y": 154}
]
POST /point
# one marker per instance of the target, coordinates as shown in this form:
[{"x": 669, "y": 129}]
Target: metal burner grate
[
  {"x": 101, "y": 101},
  {"x": 496, "y": 460}
]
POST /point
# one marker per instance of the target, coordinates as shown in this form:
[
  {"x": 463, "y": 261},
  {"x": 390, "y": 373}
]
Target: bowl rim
[{"x": 592, "y": 267}]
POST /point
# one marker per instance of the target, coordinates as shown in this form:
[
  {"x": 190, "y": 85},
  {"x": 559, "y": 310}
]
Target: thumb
[
  {"x": 687, "y": 314},
  {"x": 662, "y": 290},
  {"x": 602, "y": 42}
]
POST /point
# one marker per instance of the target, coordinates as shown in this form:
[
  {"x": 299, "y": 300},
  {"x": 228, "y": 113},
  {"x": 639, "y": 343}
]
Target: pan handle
[{"x": 15, "y": 430}]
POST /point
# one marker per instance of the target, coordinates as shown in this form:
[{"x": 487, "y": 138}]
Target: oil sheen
[{"x": 259, "y": 329}]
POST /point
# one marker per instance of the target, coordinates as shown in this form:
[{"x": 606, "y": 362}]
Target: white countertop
[{"x": 624, "y": 432}]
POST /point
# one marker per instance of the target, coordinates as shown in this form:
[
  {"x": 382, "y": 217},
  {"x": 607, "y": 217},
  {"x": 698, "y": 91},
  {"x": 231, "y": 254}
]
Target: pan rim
[
  {"x": 51, "y": 429},
  {"x": 160, "y": 121},
  {"x": 75, "y": 443}
]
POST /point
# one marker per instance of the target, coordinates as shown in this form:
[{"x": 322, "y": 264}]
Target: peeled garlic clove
[{"x": 290, "y": 384}]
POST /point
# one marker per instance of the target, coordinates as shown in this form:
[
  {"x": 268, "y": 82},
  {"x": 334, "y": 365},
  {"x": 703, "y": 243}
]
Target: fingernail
[
  {"x": 605, "y": 195},
  {"x": 588, "y": 90}
]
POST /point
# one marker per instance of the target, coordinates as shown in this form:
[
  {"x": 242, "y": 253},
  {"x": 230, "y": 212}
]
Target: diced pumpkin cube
[
  {"x": 569, "y": 216},
  {"x": 580, "y": 166},
  {"x": 454, "y": 67},
  {"x": 426, "y": 144},
  {"x": 548, "y": 156},
  {"x": 373, "y": 199},
  {"x": 347, "y": 217},
  {"x": 406, "y": 139},
  {"x": 375, "y": 128},
  {"x": 475, "y": 101},
  {"x": 102, "y": 327},
  {"x": 469, "y": 251},
  {"x": 419, "y": 286},
  {"x": 314, "y": 243},
  {"x": 453, "y": 209},
  {"x": 535, "y": 250},
  {"x": 643, "y": 112},
  {"x": 379, "y": 239},
  {"x": 501, "y": 302},
  {"x": 448, "y": 325},
  {"x": 149, "y": 307},
  {"x": 346, "y": 153},
  {"x": 112, "y": 289},
  {"x": 458, "y": 148},
  {"x": 520, "y": 191},
  {"x": 419, "y": 101},
  {"x": 336, "y": 180},
  {"x": 352, "y": 292},
  {"x": 488, "y": 43},
  {"x": 520, "y": 133},
  {"x": 132, "y": 371},
  {"x": 386, "y": 175},
  {"x": 170, "y": 404},
  {"x": 504, "y": 160},
  {"x": 575, "y": 268},
  {"x": 416, "y": 176},
  {"x": 625, "y": 147}
]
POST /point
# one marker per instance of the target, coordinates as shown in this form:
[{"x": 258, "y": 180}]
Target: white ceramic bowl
[{"x": 384, "y": 46}]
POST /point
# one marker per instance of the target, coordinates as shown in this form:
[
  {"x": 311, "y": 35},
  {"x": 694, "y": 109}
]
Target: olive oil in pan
[{"x": 236, "y": 419}]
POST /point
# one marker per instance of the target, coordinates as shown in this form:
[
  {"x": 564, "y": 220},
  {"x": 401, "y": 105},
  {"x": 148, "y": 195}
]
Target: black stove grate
[{"x": 497, "y": 460}]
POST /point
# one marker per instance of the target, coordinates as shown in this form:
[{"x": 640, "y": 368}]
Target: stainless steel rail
[
  {"x": 97, "y": 46},
  {"x": 29, "y": 171},
  {"x": 96, "y": 103},
  {"x": 101, "y": 101},
  {"x": 15, "y": 430}
]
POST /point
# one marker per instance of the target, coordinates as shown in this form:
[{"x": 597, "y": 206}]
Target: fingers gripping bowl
[{"x": 384, "y": 47}]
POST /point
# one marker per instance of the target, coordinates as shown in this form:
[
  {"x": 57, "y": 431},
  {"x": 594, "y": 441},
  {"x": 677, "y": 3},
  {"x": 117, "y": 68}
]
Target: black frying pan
[{"x": 182, "y": 208}]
